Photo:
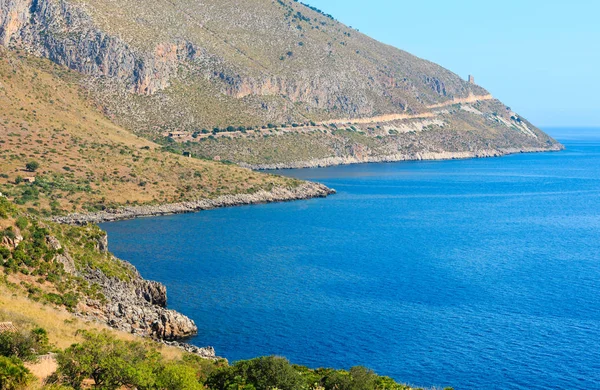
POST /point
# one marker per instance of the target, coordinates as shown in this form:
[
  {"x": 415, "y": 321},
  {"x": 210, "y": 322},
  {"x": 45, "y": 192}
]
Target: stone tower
[{"x": 471, "y": 79}]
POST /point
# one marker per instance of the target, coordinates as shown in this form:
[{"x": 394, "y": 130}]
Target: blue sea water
[{"x": 476, "y": 274}]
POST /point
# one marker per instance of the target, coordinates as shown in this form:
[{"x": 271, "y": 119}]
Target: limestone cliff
[
  {"x": 193, "y": 66},
  {"x": 134, "y": 305},
  {"x": 316, "y": 67}
]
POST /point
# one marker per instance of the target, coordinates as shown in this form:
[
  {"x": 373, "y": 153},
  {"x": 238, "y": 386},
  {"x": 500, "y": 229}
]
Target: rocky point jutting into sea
[
  {"x": 134, "y": 305},
  {"x": 306, "y": 190}
]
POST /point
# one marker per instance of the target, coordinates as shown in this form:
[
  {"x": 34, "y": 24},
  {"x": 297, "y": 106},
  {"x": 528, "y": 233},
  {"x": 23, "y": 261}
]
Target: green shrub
[
  {"x": 7, "y": 209},
  {"x": 22, "y": 223},
  {"x": 32, "y": 166},
  {"x": 24, "y": 345},
  {"x": 177, "y": 376},
  {"x": 4, "y": 253},
  {"x": 114, "y": 364},
  {"x": 13, "y": 374},
  {"x": 261, "y": 373}
]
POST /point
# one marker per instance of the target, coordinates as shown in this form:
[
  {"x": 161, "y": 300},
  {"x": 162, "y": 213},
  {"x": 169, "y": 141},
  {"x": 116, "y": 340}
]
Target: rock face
[
  {"x": 143, "y": 48},
  {"x": 306, "y": 190},
  {"x": 64, "y": 33},
  {"x": 139, "y": 306},
  {"x": 10, "y": 242},
  {"x": 136, "y": 306}
]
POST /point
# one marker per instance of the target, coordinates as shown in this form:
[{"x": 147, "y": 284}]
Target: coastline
[
  {"x": 425, "y": 156},
  {"x": 306, "y": 190}
]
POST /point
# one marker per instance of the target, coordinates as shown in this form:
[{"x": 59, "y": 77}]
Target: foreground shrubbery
[
  {"x": 277, "y": 373},
  {"x": 111, "y": 364},
  {"x": 24, "y": 345},
  {"x": 103, "y": 361},
  {"x": 13, "y": 374},
  {"x": 16, "y": 347}
]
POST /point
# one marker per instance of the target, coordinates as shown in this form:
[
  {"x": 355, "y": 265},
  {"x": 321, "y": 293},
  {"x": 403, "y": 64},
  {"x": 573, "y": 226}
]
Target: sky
[{"x": 540, "y": 57}]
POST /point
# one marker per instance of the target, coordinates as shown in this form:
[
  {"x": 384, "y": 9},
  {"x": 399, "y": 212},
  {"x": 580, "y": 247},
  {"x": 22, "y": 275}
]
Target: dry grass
[
  {"x": 61, "y": 325},
  {"x": 85, "y": 159}
]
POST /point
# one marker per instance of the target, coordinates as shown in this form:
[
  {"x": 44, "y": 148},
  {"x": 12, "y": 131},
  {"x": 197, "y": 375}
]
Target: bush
[
  {"x": 114, "y": 364},
  {"x": 24, "y": 345},
  {"x": 7, "y": 209},
  {"x": 261, "y": 373},
  {"x": 22, "y": 223},
  {"x": 4, "y": 253},
  {"x": 177, "y": 376},
  {"x": 111, "y": 363},
  {"x": 13, "y": 374},
  {"x": 32, "y": 166}
]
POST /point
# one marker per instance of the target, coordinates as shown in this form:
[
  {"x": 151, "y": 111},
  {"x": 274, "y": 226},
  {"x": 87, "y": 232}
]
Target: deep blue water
[{"x": 479, "y": 274}]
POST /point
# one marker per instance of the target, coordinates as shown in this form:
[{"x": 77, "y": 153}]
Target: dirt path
[
  {"x": 43, "y": 368},
  {"x": 395, "y": 117}
]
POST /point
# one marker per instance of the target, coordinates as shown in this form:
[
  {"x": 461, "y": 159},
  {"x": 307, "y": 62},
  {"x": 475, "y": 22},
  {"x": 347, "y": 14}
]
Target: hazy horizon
[{"x": 536, "y": 57}]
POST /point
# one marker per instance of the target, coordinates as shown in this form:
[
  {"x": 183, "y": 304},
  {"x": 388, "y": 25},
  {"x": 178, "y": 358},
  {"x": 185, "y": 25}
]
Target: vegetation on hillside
[
  {"x": 78, "y": 160},
  {"x": 101, "y": 360},
  {"x": 475, "y": 127},
  {"x": 34, "y": 254}
]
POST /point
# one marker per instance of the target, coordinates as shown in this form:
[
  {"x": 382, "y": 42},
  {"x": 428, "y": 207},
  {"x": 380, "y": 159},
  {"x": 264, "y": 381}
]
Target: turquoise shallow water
[{"x": 479, "y": 274}]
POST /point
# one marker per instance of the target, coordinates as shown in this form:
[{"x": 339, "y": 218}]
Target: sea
[{"x": 475, "y": 274}]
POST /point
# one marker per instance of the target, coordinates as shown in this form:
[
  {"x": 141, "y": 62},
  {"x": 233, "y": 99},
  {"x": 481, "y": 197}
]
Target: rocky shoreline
[
  {"x": 424, "y": 156},
  {"x": 139, "y": 306},
  {"x": 306, "y": 190},
  {"x": 132, "y": 305}
]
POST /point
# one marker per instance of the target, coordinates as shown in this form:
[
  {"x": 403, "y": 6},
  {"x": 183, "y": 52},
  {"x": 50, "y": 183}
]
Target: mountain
[
  {"x": 87, "y": 163},
  {"x": 264, "y": 83}
]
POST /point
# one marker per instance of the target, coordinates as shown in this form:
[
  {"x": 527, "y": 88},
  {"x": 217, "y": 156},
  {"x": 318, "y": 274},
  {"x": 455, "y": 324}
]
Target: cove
[{"x": 473, "y": 273}]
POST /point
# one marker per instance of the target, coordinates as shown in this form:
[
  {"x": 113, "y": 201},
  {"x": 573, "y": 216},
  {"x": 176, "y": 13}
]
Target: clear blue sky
[{"x": 540, "y": 57}]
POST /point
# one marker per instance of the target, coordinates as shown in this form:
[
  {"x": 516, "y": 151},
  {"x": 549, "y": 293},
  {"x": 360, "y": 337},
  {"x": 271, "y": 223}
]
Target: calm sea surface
[{"x": 479, "y": 274}]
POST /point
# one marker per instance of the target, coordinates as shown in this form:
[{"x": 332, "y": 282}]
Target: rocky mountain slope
[
  {"x": 86, "y": 162},
  {"x": 194, "y": 67},
  {"x": 69, "y": 266}
]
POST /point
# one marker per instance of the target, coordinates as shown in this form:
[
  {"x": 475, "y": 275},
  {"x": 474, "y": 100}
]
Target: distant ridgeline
[{"x": 297, "y": 87}]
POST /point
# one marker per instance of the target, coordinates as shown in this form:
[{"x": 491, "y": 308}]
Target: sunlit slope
[
  {"x": 85, "y": 161},
  {"x": 194, "y": 61}
]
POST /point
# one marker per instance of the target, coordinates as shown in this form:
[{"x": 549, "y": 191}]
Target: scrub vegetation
[
  {"x": 60, "y": 154},
  {"x": 103, "y": 361}
]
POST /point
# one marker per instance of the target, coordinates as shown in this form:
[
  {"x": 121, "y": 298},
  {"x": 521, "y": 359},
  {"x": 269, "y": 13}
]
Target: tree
[
  {"x": 114, "y": 363},
  {"x": 13, "y": 374},
  {"x": 178, "y": 376},
  {"x": 111, "y": 363},
  {"x": 32, "y": 166},
  {"x": 262, "y": 373}
]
